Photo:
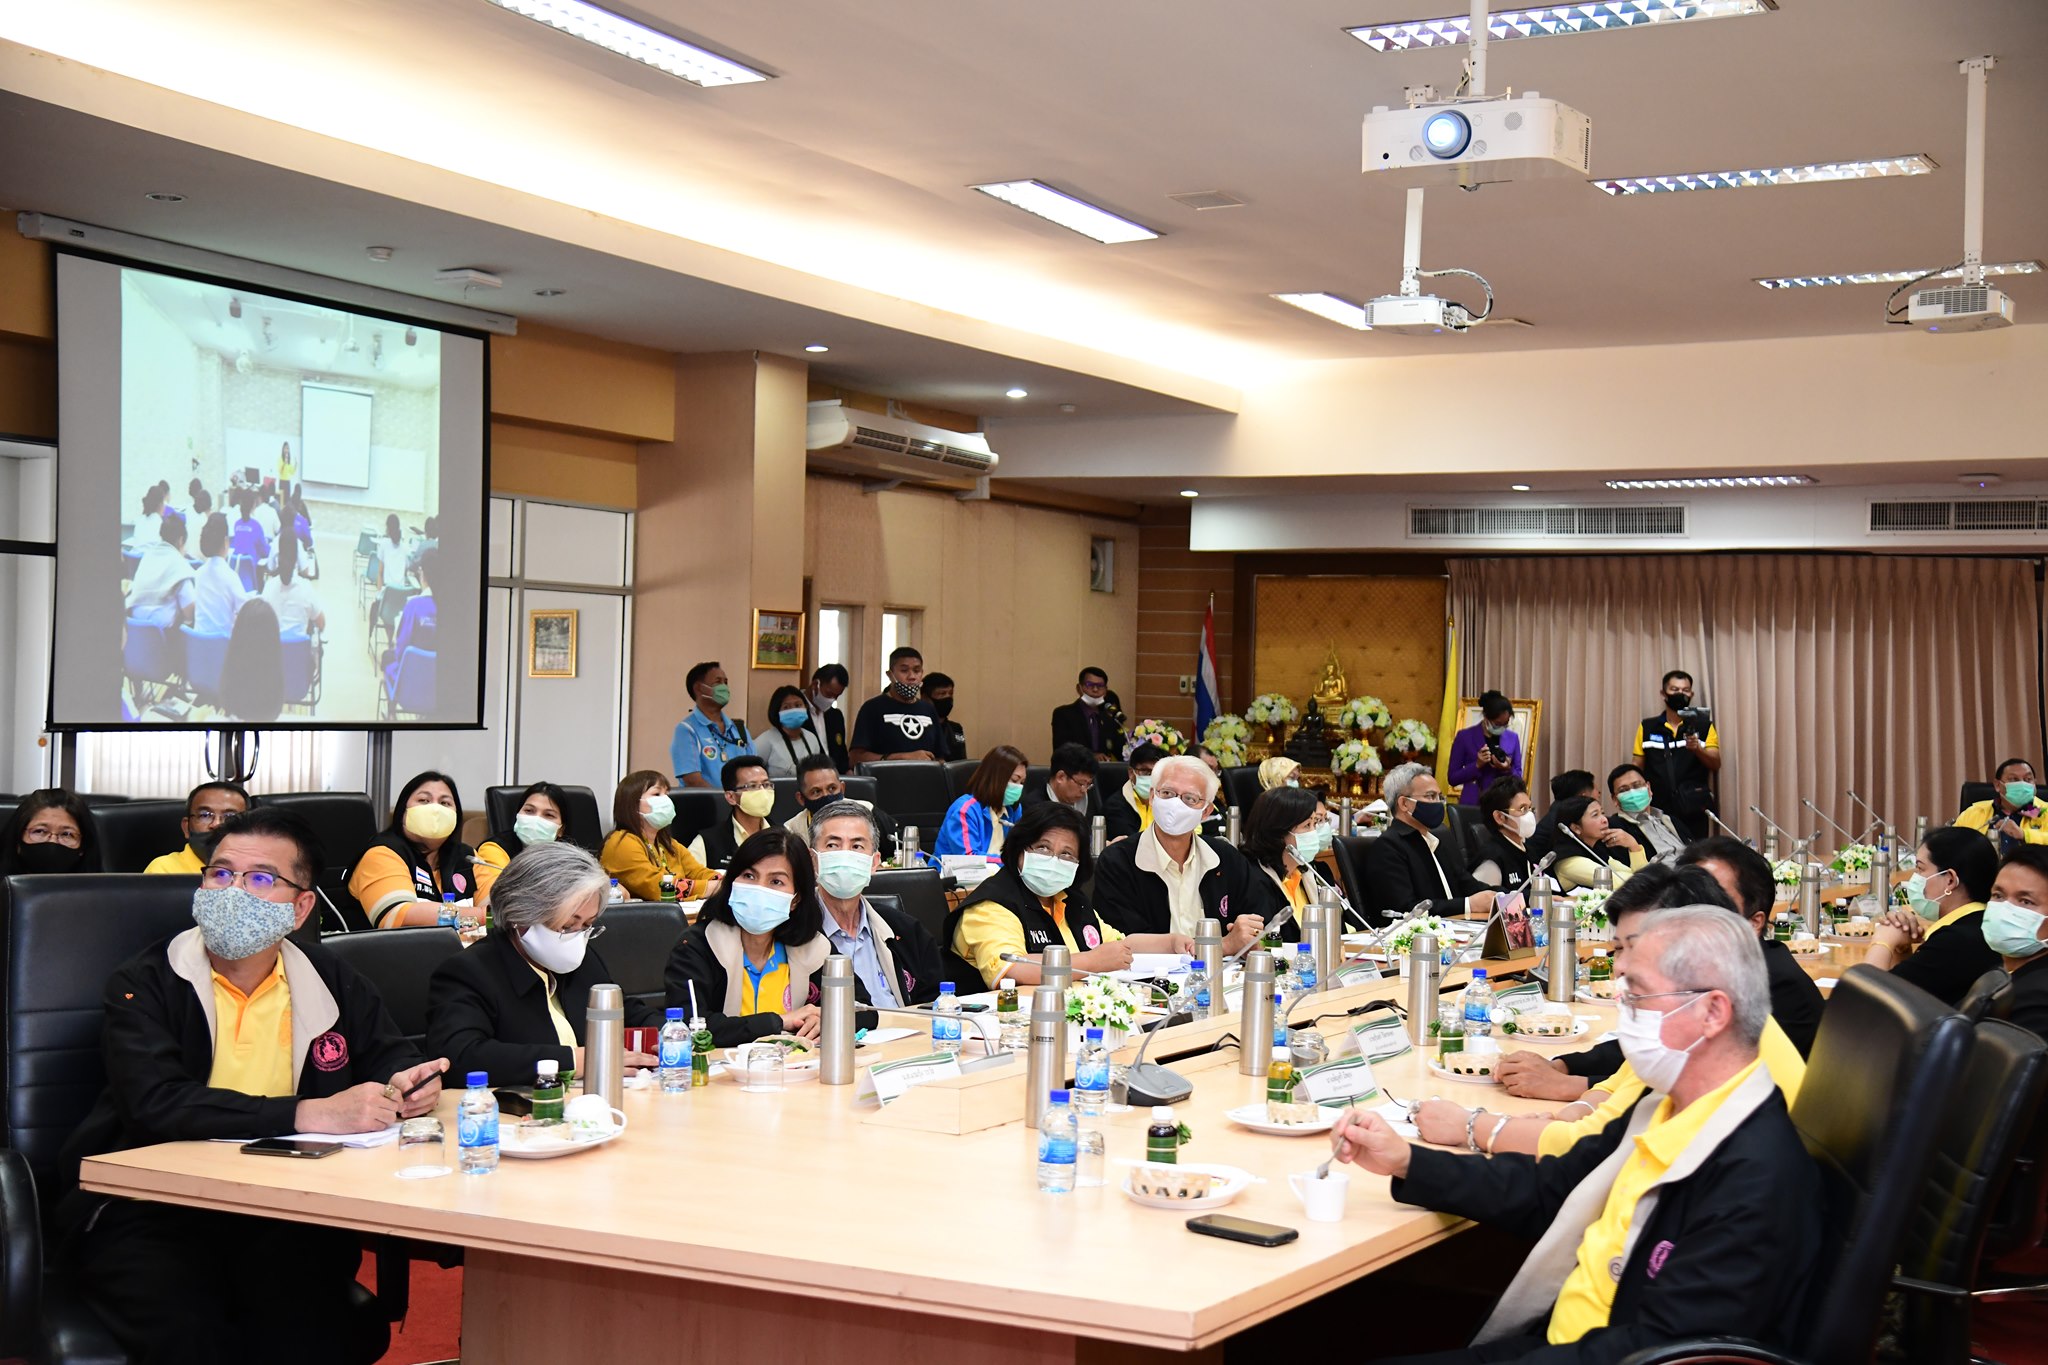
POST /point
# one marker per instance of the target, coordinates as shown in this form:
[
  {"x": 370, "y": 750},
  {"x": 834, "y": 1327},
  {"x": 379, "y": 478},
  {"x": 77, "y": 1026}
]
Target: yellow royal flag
[{"x": 1447, "y": 724}]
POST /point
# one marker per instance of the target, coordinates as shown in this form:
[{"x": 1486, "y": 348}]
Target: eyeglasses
[
  {"x": 1195, "y": 799},
  {"x": 204, "y": 817},
  {"x": 65, "y": 836},
  {"x": 588, "y": 935},
  {"x": 1630, "y": 1001},
  {"x": 221, "y": 878},
  {"x": 755, "y": 787},
  {"x": 1044, "y": 851}
]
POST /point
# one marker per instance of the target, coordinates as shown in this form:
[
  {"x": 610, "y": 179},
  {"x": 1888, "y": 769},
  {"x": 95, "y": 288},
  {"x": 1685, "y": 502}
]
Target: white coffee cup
[
  {"x": 590, "y": 1117},
  {"x": 1322, "y": 1200}
]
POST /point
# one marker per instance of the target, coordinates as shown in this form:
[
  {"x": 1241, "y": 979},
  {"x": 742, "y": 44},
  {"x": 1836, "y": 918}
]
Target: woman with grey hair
[{"x": 517, "y": 998}]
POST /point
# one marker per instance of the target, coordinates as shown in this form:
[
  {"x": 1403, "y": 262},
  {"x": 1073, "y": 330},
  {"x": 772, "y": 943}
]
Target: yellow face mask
[
  {"x": 757, "y": 804},
  {"x": 430, "y": 822}
]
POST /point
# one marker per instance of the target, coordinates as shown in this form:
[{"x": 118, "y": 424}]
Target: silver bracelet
[
  {"x": 1471, "y": 1123},
  {"x": 1494, "y": 1136}
]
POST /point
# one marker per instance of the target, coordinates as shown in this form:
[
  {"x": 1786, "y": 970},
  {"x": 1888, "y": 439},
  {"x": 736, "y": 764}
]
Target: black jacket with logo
[
  {"x": 1135, "y": 901},
  {"x": 1005, "y": 888}
]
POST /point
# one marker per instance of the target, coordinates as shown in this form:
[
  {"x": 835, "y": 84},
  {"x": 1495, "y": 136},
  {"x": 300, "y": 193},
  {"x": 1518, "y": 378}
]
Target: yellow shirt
[
  {"x": 638, "y": 865},
  {"x": 491, "y": 859},
  {"x": 1588, "y": 1294},
  {"x": 1982, "y": 816},
  {"x": 383, "y": 882},
  {"x": 1624, "y": 1088},
  {"x": 184, "y": 862},
  {"x": 564, "y": 1035},
  {"x": 1291, "y": 884},
  {"x": 1140, "y": 804},
  {"x": 988, "y": 930},
  {"x": 252, "y": 1036},
  {"x": 771, "y": 996}
]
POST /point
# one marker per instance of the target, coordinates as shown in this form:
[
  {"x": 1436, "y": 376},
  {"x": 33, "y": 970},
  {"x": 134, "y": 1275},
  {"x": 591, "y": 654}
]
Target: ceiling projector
[
  {"x": 1960, "y": 308},
  {"x": 1477, "y": 141}
]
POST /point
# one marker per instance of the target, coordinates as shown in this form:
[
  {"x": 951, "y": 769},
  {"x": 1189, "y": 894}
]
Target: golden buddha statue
[{"x": 1330, "y": 692}]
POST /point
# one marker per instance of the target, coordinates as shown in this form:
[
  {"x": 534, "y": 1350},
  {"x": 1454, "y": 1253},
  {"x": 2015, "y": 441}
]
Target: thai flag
[{"x": 1205, "y": 672}]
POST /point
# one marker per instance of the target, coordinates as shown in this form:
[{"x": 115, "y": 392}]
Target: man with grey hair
[
  {"x": 1410, "y": 864},
  {"x": 895, "y": 959},
  {"x": 1171, "y": 877},
  {"x": 1696, "y": 1214},
  {"x": 517, "y": 998}
]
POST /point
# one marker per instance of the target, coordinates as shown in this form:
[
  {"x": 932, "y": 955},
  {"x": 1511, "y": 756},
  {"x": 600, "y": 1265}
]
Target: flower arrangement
[
  {"x": 1405, "y": 933},
  {"x": 1271, "y": 708},
  {"x": 1227, "y": 736},
  {"x": 1589, "y": 907},
  {"x": 1853, "y": 858},
  {"x": 1364, "y": 713},
  {"x": 1412, "y": 736},
  {"x": 1356, "y": 756},
  {"x": 1153, "y": 732},
  {"x": 1785, "y": 872},
  {"x": 1103, "y": 1002}
]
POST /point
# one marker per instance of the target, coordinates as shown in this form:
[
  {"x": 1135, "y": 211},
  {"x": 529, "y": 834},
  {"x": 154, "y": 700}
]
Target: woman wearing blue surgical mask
[
  {"x": 517, "y": 998},
  {"x": 1128, "y": 813},
  {"x": 2015, "y": 924},
  {"x": 975, "y": 824},
  {"x": 1033, "y": 902},
  {"x": 789, "y": 738},
  {"x": 750, "y": 963},
  {"x": 642, "y": 851},
  {"x": 1939, "y": 909},
  {"x": 1283, "y": 834},
  {"x": 539, "y": 820}
]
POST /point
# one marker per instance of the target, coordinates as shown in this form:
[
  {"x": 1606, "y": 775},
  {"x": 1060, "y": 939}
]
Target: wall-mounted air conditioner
[{"x": 871, "y": 446}]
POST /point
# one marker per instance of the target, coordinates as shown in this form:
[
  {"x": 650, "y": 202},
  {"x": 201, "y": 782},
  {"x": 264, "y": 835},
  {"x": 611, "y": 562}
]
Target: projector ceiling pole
[
  {"x": 1481, "y": 31},
  {"x": 1411, "y": 246},
  {"x": 1978, "y": 72}
]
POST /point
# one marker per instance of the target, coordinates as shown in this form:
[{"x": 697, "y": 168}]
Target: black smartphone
[
  {"x": 516, "y": 1104},
  {"x": 310, "y": 1151},
  {"x": 1242, "y": 1230},
  {"x": 974, "y": 1007}
]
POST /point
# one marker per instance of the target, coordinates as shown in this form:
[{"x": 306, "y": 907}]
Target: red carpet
[{"x": 432, "y": 1330}]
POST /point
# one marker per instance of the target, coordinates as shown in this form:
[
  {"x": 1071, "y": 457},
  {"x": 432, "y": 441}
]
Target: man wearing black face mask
[
  {"x": 206, "y": 806},
  {"x": 818, "y": 785},
  {"x": 949, "y": 738},
  {"x": 1411, "y": 863},
  {"x": 1681, "y": 757},
  {"x": 898, "y": 724}
]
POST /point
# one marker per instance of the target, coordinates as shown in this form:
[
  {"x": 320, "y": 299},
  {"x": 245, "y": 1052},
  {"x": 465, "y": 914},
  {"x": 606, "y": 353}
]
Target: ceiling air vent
[
  {"x": 1979, "y": 516},
  {"x": 1547, "y": 522}
]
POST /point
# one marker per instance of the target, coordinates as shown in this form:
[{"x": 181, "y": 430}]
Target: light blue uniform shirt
[
  {"x": 860, "y": 949},
  {"x": 701, "y": 747}
]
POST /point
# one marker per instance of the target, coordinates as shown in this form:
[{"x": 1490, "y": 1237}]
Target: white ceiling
[
  {"x": 853, "y": 163},
  {"x": 289, "y": 336}
]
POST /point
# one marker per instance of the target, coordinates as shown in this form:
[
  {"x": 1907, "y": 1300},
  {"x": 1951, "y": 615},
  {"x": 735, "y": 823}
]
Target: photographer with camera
[
  {"x": 1482, "y": 754},
  {"x": 1681, "y": 751}
]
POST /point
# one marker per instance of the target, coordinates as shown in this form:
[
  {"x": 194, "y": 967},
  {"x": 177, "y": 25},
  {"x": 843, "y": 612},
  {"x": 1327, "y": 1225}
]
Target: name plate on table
[
  {"x": 888, "y": 1080},
  {"x": 1380, "y": 1038},
  {"x": 1358, "y": 973},
  {"x": 1347, "y": 1079}
]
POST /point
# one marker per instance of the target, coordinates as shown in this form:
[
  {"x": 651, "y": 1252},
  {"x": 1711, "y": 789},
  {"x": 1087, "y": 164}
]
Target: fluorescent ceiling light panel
[
  {"x": 1075, "y": 215},
  {"x": 1784, "y": 175},
  {"x": 1341, "y": 311},
  {"x": 616, "y": 33},
  {"x": 1550, "y": 21},
  {"x": 1731, "y": 481},
  {"x": 1894, "y": 276}
]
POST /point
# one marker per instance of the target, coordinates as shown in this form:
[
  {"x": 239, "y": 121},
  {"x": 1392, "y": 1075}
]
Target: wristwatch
[{"x": 1471, "y": 1124}]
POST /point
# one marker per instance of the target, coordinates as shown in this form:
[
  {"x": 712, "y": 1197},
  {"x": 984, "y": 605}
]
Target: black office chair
[
  {"x": 638, "y": 938},
  {"x": 98, "y": 799},
  {"x": 399, "y": 963},
  {"x": 1240, "y": 786},
  {"x": 1989, "y": 997},
  {"x": 959, "y": 772},
  {"x": 581, "y": 823},
  {"x": 915, "y": 793},
  {"x": 919, "y": 891},
  {"x": 1975, "y": 793},
  {"x": 697, "y": 809},
  {"x": 1884, "y": 1070},
  {"x": 1467, "y": 825},
  {"x": 345, "y": 821},
  {"x": 133, "y": 833},
  {"x": 1349, "y": 850}
]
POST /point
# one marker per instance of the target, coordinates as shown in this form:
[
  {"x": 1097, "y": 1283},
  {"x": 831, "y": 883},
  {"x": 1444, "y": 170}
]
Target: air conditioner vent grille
[
  {"x": 1547, "y": 522},
  {"x": 1980, "y": 516}
]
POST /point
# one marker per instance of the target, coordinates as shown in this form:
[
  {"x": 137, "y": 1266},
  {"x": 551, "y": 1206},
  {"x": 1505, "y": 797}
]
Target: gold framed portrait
[
  {"x": 551, "y": 643},
  {"x": 779, "y": 639}
]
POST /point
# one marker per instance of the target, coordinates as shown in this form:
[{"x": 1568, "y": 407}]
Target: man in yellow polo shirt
[
  {"x": 2015, "y": 814},
  {"x": 206, "y": 805},
  {"x": 1698, "y": 1214},
  {"x": 229, "y": 1030}
]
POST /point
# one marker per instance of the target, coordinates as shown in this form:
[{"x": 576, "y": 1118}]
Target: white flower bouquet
[
  {"x": 1103, "y": 1002},
  {"x": 1364, "y": 713},
  {"x": 1411, "y": 735},
  {"x": 1356, "y": 756},
  {"x": 1153, "y": 732},
  {"x": 1405, "y": 933},
  {"x": 1785, "y": 872},
  {"x": 1589, "y": 908},
  {"x": 1271, "y": 708},
  {"x": 1853, "y": 858},
  {"x": 1227, "y": 736}
]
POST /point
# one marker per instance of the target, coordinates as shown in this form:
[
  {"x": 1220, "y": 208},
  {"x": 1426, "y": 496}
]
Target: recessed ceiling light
[
  {"x": 379, "y": 254},
  {"x": 1721, "y": 481},
  {"x": 1190, "y": 493},
  {"x": 1883, "y": 167},
  {"x": 549, "y": 293},
  {"x": 1015, "y": 393},
  {"x": 165, "y": 197},
  {"x": 1069, "y": 408},
  {"x": 1551, "y": 21},
  {"x": 1518, "y": 487},
  {"x": 817, "y": 348},
  {"x": 616, "y": 33},
  {"x": 1894, "y": 276},
  {"x": 1076, "y": 215},
  {"x": 1207, "y": 199},
  {"x": 1341, "y": 311}
]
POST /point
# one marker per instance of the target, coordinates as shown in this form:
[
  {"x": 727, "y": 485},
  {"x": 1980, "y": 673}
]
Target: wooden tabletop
[{"x": 800, "y": 1193}]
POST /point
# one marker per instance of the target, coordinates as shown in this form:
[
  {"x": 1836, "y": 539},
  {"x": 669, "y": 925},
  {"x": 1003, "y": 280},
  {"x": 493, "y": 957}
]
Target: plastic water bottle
[
  {"x": 674, "y": 1054},
  {"x": 1091, "y": 1075},
  {"x": 447, "y": 917},
  {"x": 1058, "y": 1146},
  {"x": 1279, "y": 1019},
  {"x": 946, "y": 1020},
  {"x": 1539, "y": 928},
  {"x": 1010, "y": 1036},
  {"x": 476, "y": 1126},
  {"x": 615, "y": 894},
  {"x": 1177, "y": 987},
  {"x": 1304, "y": 968},
  {"x": 1200, "y": 969},
  {"x": 1478, "y": 1005}
]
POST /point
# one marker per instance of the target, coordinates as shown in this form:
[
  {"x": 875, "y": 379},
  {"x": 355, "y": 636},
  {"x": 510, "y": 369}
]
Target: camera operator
[{"x": 1681, "y": 751}]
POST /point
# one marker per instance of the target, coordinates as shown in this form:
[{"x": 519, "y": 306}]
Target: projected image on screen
[{"x": 279, "y": 519}]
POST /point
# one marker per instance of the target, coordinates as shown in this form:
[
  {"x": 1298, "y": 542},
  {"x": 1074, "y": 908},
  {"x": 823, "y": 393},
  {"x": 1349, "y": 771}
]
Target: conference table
[{"x": 809, "y": 1225}]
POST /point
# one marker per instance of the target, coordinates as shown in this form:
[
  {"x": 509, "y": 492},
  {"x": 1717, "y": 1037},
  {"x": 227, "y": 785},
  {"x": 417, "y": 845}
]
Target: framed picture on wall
[
  {"x": 1525, "y": 721},
  {"x": 779, "y": 639},
  {"x": 551, "y": 643}
]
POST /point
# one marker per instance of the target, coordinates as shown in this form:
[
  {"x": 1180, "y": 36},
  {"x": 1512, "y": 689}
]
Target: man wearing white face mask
[
  {"x": 518, "y": 998},
  {"x": 2015, "y": 921},
  {"x": 895, "y": 961},
  {"x": 1698, "y": 1214},
  {"x": 1170, "y": 878},
  {"x": 228, "y": 1030},
  {"x": 750, "y": 792}
]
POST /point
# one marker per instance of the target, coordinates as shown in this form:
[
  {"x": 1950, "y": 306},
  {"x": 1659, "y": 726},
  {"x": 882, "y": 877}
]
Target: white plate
[
  {"x": 547, "y": 1143},
  {"x": 1581, "y": 1026},
  {"x": 808, "y": 1063},
  {"x": 1253, "y": 1116},
  {"x": 1462, "y": 1080},
  {"x": 1587, "y": 998},
  {"x": 1237, "y": 1182}
]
